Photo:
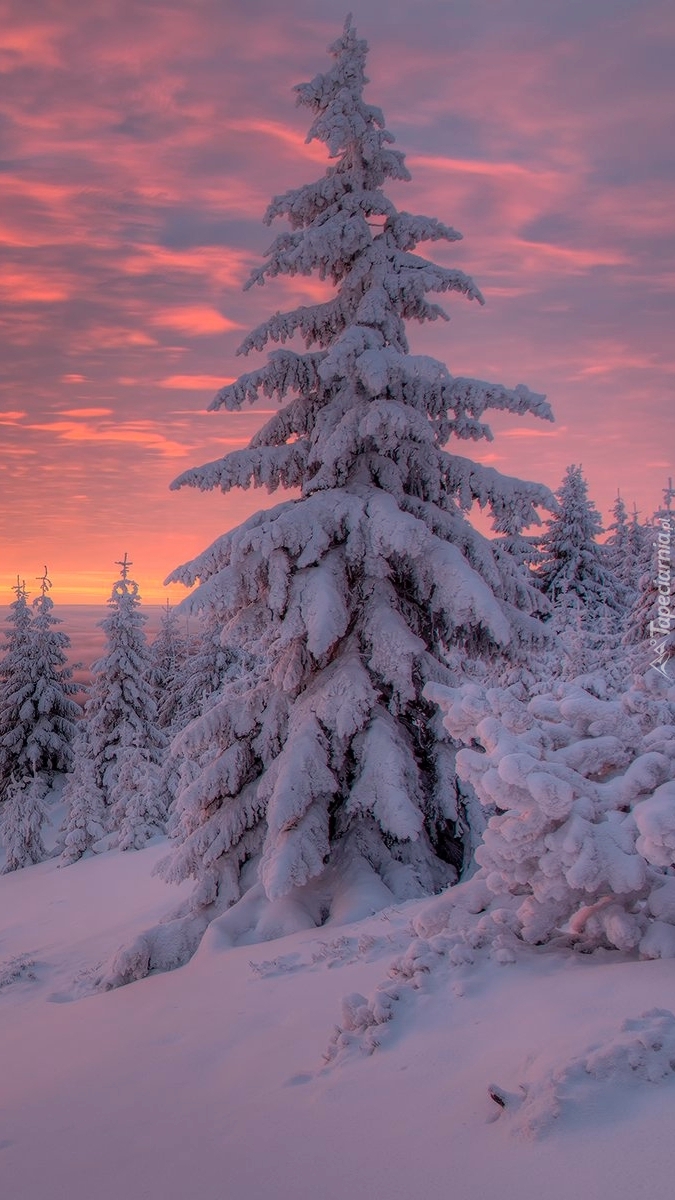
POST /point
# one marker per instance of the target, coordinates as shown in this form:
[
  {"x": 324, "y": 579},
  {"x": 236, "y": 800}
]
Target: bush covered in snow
[{"x": 580, "y": 842}]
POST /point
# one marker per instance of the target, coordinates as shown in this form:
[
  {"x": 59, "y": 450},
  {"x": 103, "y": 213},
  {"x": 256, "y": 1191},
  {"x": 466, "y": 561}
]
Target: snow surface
[{"x": 212, "y": 1082}]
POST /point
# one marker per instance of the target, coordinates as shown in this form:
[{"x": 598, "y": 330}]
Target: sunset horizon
[
  {"x": 134, "y": 197},
  {"x": 342, "y": 865}
]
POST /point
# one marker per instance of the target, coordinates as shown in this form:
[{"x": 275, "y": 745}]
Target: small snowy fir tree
[
  {"x": 15, "y": 683},
  {"x": 208, "y": 668},
  {"x": 86, "y": 817},
  {"x": 22, "y": 818},
  {"x": 37, "y": 690},
  {"x": 22, "y": 812},
  {"x": 323, "y": 764},
  {"x": 620, "y": 548},
  {"x": 572, "y": 571},
  {"x": 123, "y": 737},
  {"x": 168, "y": 652},
  {"x": 197, "y": 676},
  {"x": 55, "y": 712},
  {"x": 640, "y": 547}
]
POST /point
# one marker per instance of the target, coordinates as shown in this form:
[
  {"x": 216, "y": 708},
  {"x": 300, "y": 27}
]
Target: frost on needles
[{"x": 321, "y": 760}]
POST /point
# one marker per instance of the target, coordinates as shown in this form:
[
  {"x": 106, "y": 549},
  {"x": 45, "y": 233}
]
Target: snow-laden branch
[{"x": 263, "y": 467}]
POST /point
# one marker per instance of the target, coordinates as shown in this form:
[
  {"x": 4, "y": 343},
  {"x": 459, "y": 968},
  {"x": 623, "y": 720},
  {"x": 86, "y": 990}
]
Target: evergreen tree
[
  {"x": 210, "y": 663},
  {"x": 208, "y": 667},
  {"x": 123, "y": 737},
  {"x": 55, "y": 713},
  {"x": 620, "y": 548},
  {"x": 572, "y": 572},
  {"x": 640, "y": 547},
  {"x": 86, "y": 817},
  {"x": 37, "y": 714},
  {"x": 512, "y": 545},
  {"x": 168, "y": 652},
  {"x": 38, "y": 718},
  {"x": 22, "y": 820},
  {"x": 650, "y": 624},
  {"x": 347, "y": 598},
  {"x": 15, "y": 683}
]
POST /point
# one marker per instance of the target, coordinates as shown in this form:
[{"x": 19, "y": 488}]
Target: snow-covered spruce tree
[
  {"x": 22, "y": 819},
  {"x": 572, "y": 571},
  {"x": 22, "y": 812},
  {"x": 328, "y": 762},
  {"x": 201, "y": 674},
  {"x": 41, "y": 714},
  {"x": 37, "y": 714},
  {"x": 123, "y": 738},
  {"x": 15, "y": 682},
  {"x": 209, "y": 667},
  {"x": 55, "y": 712},
  {"x": 589, "y": 600},
  {"x": 168, "y": 652},
  {"x": 86, "y": 818},
  {"x": 620, "y": 548},
  {"x": 640, "y": 541}
]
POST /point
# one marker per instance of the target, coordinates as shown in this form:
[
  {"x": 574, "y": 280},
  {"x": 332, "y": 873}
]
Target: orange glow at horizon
[{"x": 136, "y": 170}]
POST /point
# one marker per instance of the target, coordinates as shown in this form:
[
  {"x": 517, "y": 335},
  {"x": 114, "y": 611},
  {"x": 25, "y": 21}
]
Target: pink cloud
[
  {"x": 136, "y": 172},
  {"x": 85, "y": 412},
  {"x": 197, "y": 320},
  {"x": 33, "y": 286},
  {"x": 195, "y": 383}
]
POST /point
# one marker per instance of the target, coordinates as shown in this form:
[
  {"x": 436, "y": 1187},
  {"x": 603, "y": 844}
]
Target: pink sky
[{"x": 139, "y": 145}]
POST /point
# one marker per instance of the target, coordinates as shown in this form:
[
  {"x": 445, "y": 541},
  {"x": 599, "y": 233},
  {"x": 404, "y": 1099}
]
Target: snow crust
[{"x": 213, "y": 1080}]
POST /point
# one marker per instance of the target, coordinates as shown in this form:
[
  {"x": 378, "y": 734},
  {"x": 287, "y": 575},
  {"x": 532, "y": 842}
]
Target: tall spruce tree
[{"x": 328, "y": 760}]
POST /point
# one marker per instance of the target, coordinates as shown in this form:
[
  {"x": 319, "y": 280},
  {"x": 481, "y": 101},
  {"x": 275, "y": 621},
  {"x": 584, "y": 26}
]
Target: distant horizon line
[{"x": 97, "y": 604}]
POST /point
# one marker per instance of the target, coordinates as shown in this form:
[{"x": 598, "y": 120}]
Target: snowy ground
[{"x": 210, "y": 1082}]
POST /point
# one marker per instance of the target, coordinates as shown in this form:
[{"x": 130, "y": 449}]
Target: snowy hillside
[
  {"x": 358, "y": 884},
  {"x": 211, "y": 1082}
]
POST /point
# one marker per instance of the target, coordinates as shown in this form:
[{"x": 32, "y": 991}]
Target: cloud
[
  {"x": 85, "y": 412},
  {"x": 534, "y": 433},
  {"x": 196, "y": 320},
  {"x": 135, "y": 173},
  {"x": 33, "y": 286},
  {"x": 195, "y": 383}
]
